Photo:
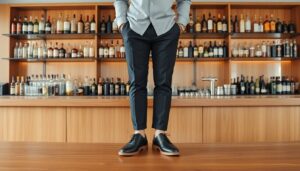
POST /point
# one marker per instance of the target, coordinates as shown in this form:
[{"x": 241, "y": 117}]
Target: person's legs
[
  {"x": 164, "y": 56},
  {"x": 137, "y": 57}
]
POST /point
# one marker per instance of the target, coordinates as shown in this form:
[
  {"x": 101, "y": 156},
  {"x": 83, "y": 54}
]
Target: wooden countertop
[{"x": 88, "y": 101}]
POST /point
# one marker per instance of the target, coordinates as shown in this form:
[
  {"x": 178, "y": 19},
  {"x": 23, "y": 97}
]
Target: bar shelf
[{"x": 50, "y": 36}]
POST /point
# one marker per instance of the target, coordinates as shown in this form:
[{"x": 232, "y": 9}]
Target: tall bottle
[
  {"x": 42, "y": 25},
  {"x": 67, "y": 25},
  {"x": 12, "y": 87},
  {"x": 36, "y": 26},
  {"x": 111, "y": 50},
  {"x": 210, "y": 23},
  {"x": 242, "y": 24},
  {"x": 255, "y": 25},
  {"x": 93, "y": 25},
  {"x": 59, "y": 25},
  {"x": 267, "y": 25},
  {"x": 80, "y": 25},
  {"x": 25, "y": 26},
  {"x": 198, "y": 25},
  {"x": 13, "y": 28},
  {"x": 74, "y": 25},
  {"x": 248, "y": 24},
  {"x": 69, "y": 86},
  {"x": 87, "y": 25},
  {"x": 48, "y": 26},
  {"x": 109, "y": 26},
  {"x": 219, "y": 24},
  {"x": 103, "y": 26},
  {"x": 272, "y": 24},
  {"x": 236, "y": 25},
  {"x": 204, "y": 24},
  {"x": 19, "y": 26},
  {"x": 30, "y": 26},
  {"x": 224, "y": 24}
]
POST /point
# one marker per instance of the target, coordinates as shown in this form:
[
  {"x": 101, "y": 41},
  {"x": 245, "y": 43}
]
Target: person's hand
[
  {"x": 121, "y": 27},
  {"x": 182, "y": 27}
]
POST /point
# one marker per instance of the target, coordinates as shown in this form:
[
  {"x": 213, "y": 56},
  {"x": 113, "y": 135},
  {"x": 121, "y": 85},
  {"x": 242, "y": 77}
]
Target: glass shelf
[
  {"x": 50, "y": 36},
  {"x": 263, "y": 35}
]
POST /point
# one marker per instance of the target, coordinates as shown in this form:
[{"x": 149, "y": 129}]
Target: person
[{"x": 150, "y": 26}]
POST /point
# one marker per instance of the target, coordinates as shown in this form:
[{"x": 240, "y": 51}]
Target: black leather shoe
[
  {"x": 164, "y": 145},
  {"x": 137, "y": 144}
]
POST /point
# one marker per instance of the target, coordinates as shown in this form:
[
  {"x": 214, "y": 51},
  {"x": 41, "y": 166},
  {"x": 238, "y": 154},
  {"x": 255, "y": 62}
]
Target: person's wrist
[
  {"x": 182, "y": 27},
  {"x": 121, "y": 27}
]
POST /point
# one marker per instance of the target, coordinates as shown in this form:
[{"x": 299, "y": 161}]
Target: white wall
[{"x": 50, "y": 1}]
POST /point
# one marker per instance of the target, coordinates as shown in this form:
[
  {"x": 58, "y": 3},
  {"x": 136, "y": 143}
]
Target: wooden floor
[{"x": 103, "y": 157}]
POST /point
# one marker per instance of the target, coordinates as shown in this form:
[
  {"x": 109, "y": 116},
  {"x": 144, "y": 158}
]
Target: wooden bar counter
[{"x": 219, "y": 119}]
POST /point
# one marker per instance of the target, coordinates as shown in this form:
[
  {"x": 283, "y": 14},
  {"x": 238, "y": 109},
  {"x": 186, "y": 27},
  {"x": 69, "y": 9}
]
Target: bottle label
[
  {"x": 48, "y": 29},
  {"x": 225, "y": 27},
  {"x": 30, "y": 28},
  {"x": 210, "y": 24},
  {"x": 256, "y": 27},
  {"x": 220, "y": 52},
  {"x": 25, "y": 28},
  {"x": 80, "y": 27},
  {"x": 50, "y": 53},
  {"x": 93, "y": 26},
  {"x": 67, "y": 26},
  {"x": 42, "y": 26},
  {"x": 91, "y": 52}
]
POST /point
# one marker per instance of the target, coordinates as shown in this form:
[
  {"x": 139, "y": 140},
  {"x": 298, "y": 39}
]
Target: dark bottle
[
  {"x": 292, "y": 28},
  {"x": 273, "y": 86},
  {"x": 263, "y": 87},
  {"x": 252, "y": 86},
  {"x": 283, "y": 83},
  {"x": 109, "y": 26},
  {"x": 204, "y": 24},
  {"x": 293, "y": 90},
  {"x": 86, "y": 87},
  {"x": 48, "y": 26},
  {"x": 288, "y": 85},
  {"x": 19, "y": 26},
  {"x": 214, "y": 24},
  {"x": 36, "y": 26},
  {"x": 242, "y": 86},
  {"x": 106, "y": 86},
  {"x": 224, "y": 49},
  {"x": 25, "y": 26},
  {"x": 191, "y": 50},
  {"x": 236, "y": 25},
  {"x": 117, "y": 87},
  {"x": 278, "y": 86},
  {"x": 112, "y": 87},
  {"x": 210, "y": 50},
  {"x": 93, "y": 88},
  {"x": 231, "y": 24},
  {"x": 294, "y": 49},
  {"x": 61, "y": 51},
  {"x": 128, "y": 88},
  {"x": 14, "y": 26},
  {"x": 278, "y": 26},
  {"x": 100, "y": 87},
  {"x": 57, "y": 87},
  {"x": 30, "y": 26},
  {"x": 224, "y": 25},
  {"x": 103, "y": 26},
  {"x": 247, "y": 86},
  {"x": 93, "y": 25},
  {"x": 219, "y": 24},
  {"x": 285, "y": 27},
  {"x": 238, "y": 86},
  {"x": 122, "y": 88},
  {"x": 273, "y": 50},
  {"x": 216, "y": 50}
]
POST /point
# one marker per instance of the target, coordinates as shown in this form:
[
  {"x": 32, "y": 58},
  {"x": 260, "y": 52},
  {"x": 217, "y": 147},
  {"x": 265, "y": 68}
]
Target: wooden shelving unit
[{"x": 188, "y": 70}]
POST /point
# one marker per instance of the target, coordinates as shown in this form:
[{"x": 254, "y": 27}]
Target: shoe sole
[
  {"x": 141, "y": 149},
  {"x": 156, "y": 148}
]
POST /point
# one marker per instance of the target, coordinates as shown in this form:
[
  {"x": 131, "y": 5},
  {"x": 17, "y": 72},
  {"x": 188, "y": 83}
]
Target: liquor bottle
[
  {"x": 20, "y": 51},
  {"x": 61, "y": 51},
  {"x": 261, "y": 24},
  {"x": 22, "y": 87},
  {"x": 73, "y": 25},
  {"x": 112, "y": 87},
  {"x": 214, "y": 25},
  {"x": 272, "y": 24},
  {"x": 242, "y": 86},
  {"x": 87, "y": 25},
  {"x": 236, "y": 25},
  {"x": 109, "y": 26},
  {"x": 80, "y": 52},
  {"x": 267, "y": 25},
  {"x": 91, "y": 51},
  {"x": 180, "y": 50},
  {"x": 67, "y": 25},
  {"x": 210, "y": 23},
  {"x": 36, "y": 26},
  {"x": 286, "y": 48},
  {"x": 16, "y": 50},
  {"x": 293, "y": 91},
  {"x": 278, "y": 49},
  {"x": 19, "y": 26},
  {"x": 35, "y": 51},
  {"x": 256, "y": 27},
  {"x": 263, "y": 89},
  {"x": 56, "y": 51},
  {"x": 185, "y": 51},
  {"x": 69, "y": 86},
  {"x": 190, "y": 50},
  {"x": 14, "y": 26},
  {"x": 122, "y": 51},
  {"x": 257, "y": 86},
  {"x": 94, "y": 88},
  {"x": 30, "y": 26},
  {"x": 224, "y": 25},
  {"x": 59, "y": 25},
  {"x": 295, "y": 49},
  {"x": 25, "y": 26},
  {"x": 200, "y": 51},
  {"x": 100, "y": 87},
  {"x": 117, "y": 87},
  {"x": 206, "y": 51},
  {"x": 224, "y": 49},
  {"x": 284, "y": 85},
  {"x": 252, "y": 86},
  {"x": 45, "y": 51},
  {"x": 40, "y": 51},
  {"x": 53, "y": 26},
  {"x": 291, "y": 28},
  {"x": 86, "y": 50},
  {"x": 42, "y": 25},
  {"x": 74, "y": 52},
  {"x": 17, "y": 86},
  {"x": 242, "y": 24},
  {"x": 30, "y": 51},
  {"x": 248, "y": 24},
  {"x": 117, "y": 50},
  {"x": 122, "y": 88},
  {"x": 190, "y": 26},
  {"x": 106, "y": 86},
  {"x": 25, "y": 51},
  {"x": 12, "y": 87},
  {"x": 80, "y": 25},
  {"x": 247, "y": 86},
  {"x": 103, "y": 26},
  {"x": 273, "y": 86},
  {"x": 93, "y": 25},
  {"x": 220, "y": 50},
  {"x": 278, "y": 86},
  {"x": 101, "y": 50},
  {"x": 210, "y": 50},
  {"x": 111, "y": 50},
  {"x": 264, "y": 49},
  {"x": 86, "y": 86},
  {"x": 204, "y": 24},
  {"x": 106, "y": 51},
  {"x": 219, "y": 24},
  {"x": 195, "y": 51},
  {"x": 50, "y": 51},
  {"x": 198, "y": 25},
  {"x": 231, "y": 25},
  {"x": 48, "y": 26},
  {"x": 285, "y": 27},
  {"x": 215, "y": 50}
]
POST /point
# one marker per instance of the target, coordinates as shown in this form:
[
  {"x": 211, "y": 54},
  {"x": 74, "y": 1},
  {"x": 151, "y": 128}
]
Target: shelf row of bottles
[
  {"x": 279, "y": 48},
  {"x": 60, "y": 85},
  {"x": 206, "y": 50},
  {"x": 31, "y": 50},
  {"x": 248, "y": 25}
]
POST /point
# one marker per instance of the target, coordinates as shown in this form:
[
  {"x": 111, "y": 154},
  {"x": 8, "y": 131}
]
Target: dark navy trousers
[{"x": 163, "y": 50}]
